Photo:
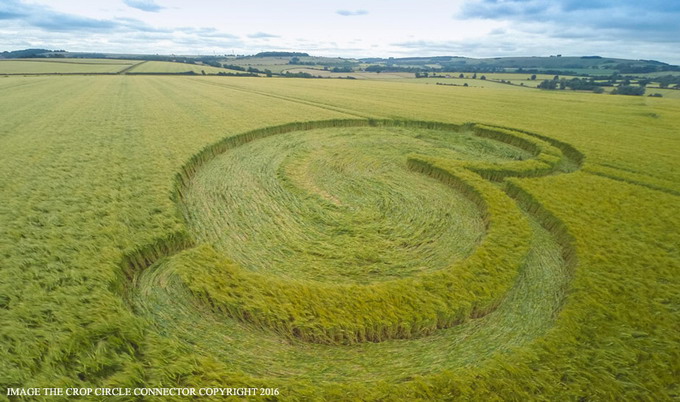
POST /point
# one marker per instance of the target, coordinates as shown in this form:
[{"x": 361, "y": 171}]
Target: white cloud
[
  {"x": 480, "y": 28},
  {"x": 144, "y": 5},
  {"x": 350, "y": 13}
]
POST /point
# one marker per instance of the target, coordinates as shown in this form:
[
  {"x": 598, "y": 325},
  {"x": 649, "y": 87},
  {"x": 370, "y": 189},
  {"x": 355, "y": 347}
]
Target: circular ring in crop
[{"x": 312, "y": 310}]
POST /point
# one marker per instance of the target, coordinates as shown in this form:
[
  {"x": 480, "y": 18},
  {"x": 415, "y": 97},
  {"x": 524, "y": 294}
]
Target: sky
[{"x": 633, "y": 29}]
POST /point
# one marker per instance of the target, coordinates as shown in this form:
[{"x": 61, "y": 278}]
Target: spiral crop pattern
[{"x": 350, "y": 250}]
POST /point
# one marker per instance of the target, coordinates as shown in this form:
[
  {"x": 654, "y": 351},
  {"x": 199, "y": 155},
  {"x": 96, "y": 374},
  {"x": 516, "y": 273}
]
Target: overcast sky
[{"x": 637, "y": 29}]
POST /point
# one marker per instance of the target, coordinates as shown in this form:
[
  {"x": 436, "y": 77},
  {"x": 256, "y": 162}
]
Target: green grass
[{"x": 88, "y": 176}]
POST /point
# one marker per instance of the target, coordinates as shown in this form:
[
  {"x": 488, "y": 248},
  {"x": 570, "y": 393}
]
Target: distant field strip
[
  {"x": 81, "y": 66},
  {"x": 166, "y": 67},
  {"x": 80, "y": 61},
  {"x": 105, "y": 66}
]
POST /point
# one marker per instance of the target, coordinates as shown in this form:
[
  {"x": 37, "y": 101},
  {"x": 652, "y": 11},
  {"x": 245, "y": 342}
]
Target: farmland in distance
[{"x": 64, "y": 66}]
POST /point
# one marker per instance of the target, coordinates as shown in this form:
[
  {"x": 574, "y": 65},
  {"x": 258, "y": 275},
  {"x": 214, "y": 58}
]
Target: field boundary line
[{"x": 125, "y": 70}]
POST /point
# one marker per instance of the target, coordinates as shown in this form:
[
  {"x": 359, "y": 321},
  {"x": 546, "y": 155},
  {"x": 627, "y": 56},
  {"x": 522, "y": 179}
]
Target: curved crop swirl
[{"x": 246, "y": 293}]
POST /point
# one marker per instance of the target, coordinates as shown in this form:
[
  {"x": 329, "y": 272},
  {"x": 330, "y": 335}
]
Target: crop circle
[{"x": 340, "y": 204}]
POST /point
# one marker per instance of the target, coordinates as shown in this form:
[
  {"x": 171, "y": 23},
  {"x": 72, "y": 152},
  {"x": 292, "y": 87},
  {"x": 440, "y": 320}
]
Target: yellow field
[
  {"x": 171, "y": 67},
  {"x": 200, "y": 231}
]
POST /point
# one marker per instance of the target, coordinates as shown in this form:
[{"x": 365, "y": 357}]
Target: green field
[
  {"x": 64, "y": 66},
  {"x": 338, "y": 239},
  {"x": 171, "y": 67},
  {"x": 319, "y": 72},
  {"x": 665, "y": 92},
  {"x": 103, "y": 66}
]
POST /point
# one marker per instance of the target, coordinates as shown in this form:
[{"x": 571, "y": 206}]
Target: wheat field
[{"x": 338, "y": 239}]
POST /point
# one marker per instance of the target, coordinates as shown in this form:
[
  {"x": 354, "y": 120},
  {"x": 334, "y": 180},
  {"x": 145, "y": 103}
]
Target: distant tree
[
  {"x": 342, "y": 69},
  {"x": 280, "y": 54},
  {"x": 533, "y": 77},
  {"x": 548, "y": 84},
  {"x": 461, "y": 75},
  {"x": 657, "y": 95},
  {"x": 26, "y": 53},
  {"x": 234, "y": 67},
  {"x": 557, "y": 77},
  {"x": 483, "y": 77},
  {"x": 629, "y": 90},
  {"x": 203, "y": 72},
  {"x": 288, "y": 74},
  {"x": 294, "y": 60},
  {"x": 578, "y": 84},
  {"x": 210, "y": 61},
  {"x": 598, "y": 90}
]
